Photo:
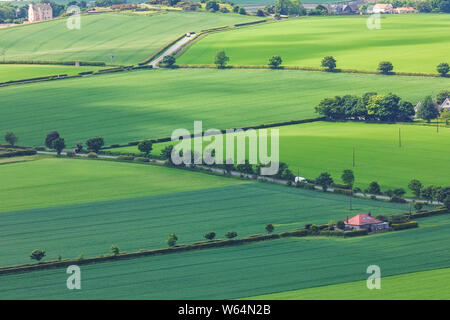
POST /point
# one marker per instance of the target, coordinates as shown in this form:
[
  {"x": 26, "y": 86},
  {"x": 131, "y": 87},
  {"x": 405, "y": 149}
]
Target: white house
[
  {"x": 382, "y": 8},
  {"x": 445, "y": 105}
]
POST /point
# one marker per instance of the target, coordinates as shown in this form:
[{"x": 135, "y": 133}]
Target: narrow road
[
  {"x": 261, "y": 178},
  {"x": 176, "y": 46}
]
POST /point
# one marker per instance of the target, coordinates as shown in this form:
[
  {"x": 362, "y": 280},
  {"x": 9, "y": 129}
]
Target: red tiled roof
[{"x": 362, "y": 219}]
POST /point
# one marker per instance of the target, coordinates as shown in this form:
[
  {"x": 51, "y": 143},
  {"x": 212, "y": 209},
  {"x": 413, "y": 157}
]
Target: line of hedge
[
  {"x": 406, "y": 225},
  {"x": 249, "y": 23},
  {"x": 423, "y": 214},
  {"x": 223, "y": 131},
  {"x": 259, "y": 67},
  {"x": 55, "y": 62},
  {"x": 18, "y": 153}
]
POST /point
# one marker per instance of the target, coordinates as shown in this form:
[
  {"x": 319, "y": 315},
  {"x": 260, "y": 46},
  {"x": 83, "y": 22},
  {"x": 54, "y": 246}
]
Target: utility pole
[
  {"x": 353, "y": 157},
  {"x": 111, "y": 57},
  {"x": 399, "y": 138},
  {"x": 437, "y": 125}
]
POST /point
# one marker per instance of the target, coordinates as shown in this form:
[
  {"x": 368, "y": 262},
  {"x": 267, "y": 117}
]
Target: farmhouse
[
  {"x": 445, "y": 105},
  {"x": 365, "y": 221},
  {"x": 382, "y": 8},
  {"x": 39, "y": 12}
]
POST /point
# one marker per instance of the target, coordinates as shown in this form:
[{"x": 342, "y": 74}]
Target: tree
[
  {"x": 145, "y": 146},
  {"x": 172, "y": 240},
  {"x": 115, "y": 250},
  {"x": 399, "y": 192},
  {"x": 329, "y": 62},
  {"x": 236, "y": 9},
  {"x": 324, "y": 180},
  {"x": 275, "y": 62},
  {"x": 245, "y": 167},
  {"x": 442, "y": 95},
  {"x": 221, "y": 59},
  {"x": 210, "y": 235},
  {"x": 443, "y": 68},
  {"x": 168, "y": 60},
  {"x": 37, "y": 254},
  {"x": 415, "y": 186},
  {"x": 348, "y": 177},
  {"x": 11, "y": 138},
  {"x": 428, "y": 110},
  {"x": 242, "y": 11},
  {"x": 212, "y": 5},
  {"x": 269, "y": 228},
  {"x": 50, "y": 137},
  {"x": 385, "y": 67},
  {"x": 374, "y": 188},
  {"x": 58, "y": 144},
  {"x": 260, "y": 13},
  {"x": 406, "y": 111},
  {"x": 95, "y": 144},
  {"x": 447, "y": 202},
  {"x": 340, "y": 225},
  {"x": 231, "y": 234},
  {"x": 427, "y": 193}
]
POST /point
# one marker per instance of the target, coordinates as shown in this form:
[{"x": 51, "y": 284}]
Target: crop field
[
  {"x": 51, "y": 182},
  {"x": 422, "y": 285},
  {"x": 129, "y": 38},
  {"x": 249, "y": 270},
  {"x": 149, "y": 104},
  {"x": 25, "y": 71},
  {"x": 313, "y": 148},
  {"x": 413, "y": 43},
  {"x": 144, "y": 222}
]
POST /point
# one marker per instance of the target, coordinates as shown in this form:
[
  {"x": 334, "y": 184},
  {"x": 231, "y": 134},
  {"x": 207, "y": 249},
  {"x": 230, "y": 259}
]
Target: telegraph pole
[
  {"x": 353, "y": 157},
  {"x": 399, "y": 138}
]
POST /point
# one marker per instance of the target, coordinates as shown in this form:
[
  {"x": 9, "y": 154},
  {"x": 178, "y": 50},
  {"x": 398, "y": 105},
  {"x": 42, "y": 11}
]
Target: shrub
[
  {"x": 37, "y": 254},
  {"x": 70, "y": 154},
  {"x": 58, "y": 144},
  {"x": 340, "y": 225},
  {"x": 374, "y": 188},
  {"x": 172, "y": 240},
  {"x": 447, "y": 202},
  {"x": 92, "y": 155},
  {"x": 418, "y": 206},
  {"x": 210, "y": 235},
  {"x": 269, "y": 228},
  {"x": 115, "y": 250},
  {"x": 231, "y": 235},
  {"x": 50, "y": 138},
  {"x": 145, "y": 146},
  {"x": 406, "y": 225},
  {"x": 142, "y": 159},
  {"x": 125, "y": 158}
]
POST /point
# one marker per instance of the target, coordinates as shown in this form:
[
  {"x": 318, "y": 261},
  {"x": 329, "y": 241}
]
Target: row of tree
[{"x": 370, "y": 107}]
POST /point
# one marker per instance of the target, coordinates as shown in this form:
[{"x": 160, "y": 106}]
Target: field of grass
[
  {"x": 412, "y": 42},
  {"x": 148, "y": 104},
  {"x": 130, "y": 38},
  {"x": 9, "y": 72},
  {"x": 313, "y": 148},
  {"x": 433, "y": 285},
  {"x": 145, "y": 222},
  {"x": 249, "y": 270},
  {"x": 53, "y": 182}
]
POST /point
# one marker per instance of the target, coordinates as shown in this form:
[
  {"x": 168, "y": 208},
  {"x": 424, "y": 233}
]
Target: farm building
[
  {"x": 39, "y": 12},
  {"x": 365, "y": 221},
  {"x": 445, "y": 105},
  {"x": 404, "y": 10},
  {"x": 382, "y": 8}
]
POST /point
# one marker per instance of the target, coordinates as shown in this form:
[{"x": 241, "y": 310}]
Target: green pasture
[
  {"x": 9, "y": 72},
  {"x": 248, "y": 270},
  {"x": 51, "y": 182},
  {"x": 137, "y": 105},
  {"x": 422, "y": 285},
  {"x": 313, "y": 148},
  {"x": 145, "y": 222},
  {"x": 129, "y": 38},
  {"x": 412, "y": 42}
]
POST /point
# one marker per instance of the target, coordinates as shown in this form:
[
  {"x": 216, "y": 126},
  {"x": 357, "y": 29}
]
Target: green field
[
  {"x": 53, "y": 182},
  {"x": 248, "y": 270},
  {"x": 148, "y": 104},
  {"x": 433, "y": 285},
  {"x": 144, "y": 222},
  {"x": 412, "y": 42},
  {"x": 313, "y": 148},
  {"x": 20, "y": 71},
  {"x": 129, "y": 37}
]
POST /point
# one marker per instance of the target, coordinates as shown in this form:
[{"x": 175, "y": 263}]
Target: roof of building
[
  {"x": 383, "y": 5},
  {"x": 362, "y": 219}
]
